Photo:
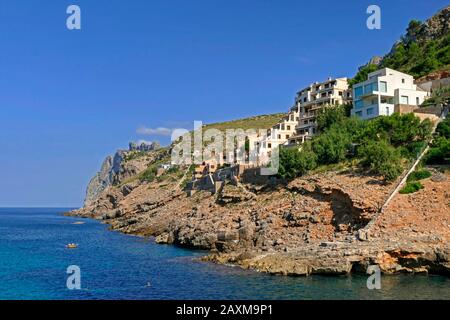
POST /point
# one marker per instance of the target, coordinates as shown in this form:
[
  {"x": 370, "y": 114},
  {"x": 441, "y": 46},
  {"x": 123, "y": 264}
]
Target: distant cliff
[{"x": 124, "y": 164}]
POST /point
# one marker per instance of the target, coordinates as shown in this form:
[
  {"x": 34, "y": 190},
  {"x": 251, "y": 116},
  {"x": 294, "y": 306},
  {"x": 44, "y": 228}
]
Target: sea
[{"x": 107, "y": 265}]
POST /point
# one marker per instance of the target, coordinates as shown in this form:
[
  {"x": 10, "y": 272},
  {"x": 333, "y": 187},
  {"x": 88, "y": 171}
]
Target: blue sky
[{"x": 69, "y": 98}]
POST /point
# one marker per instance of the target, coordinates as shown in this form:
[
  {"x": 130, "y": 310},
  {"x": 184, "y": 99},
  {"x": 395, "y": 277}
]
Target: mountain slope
[{"x": 425, "y": 48}]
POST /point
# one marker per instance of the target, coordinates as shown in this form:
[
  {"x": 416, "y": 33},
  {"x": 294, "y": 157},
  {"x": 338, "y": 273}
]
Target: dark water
[{"x": 33, "y": 263}]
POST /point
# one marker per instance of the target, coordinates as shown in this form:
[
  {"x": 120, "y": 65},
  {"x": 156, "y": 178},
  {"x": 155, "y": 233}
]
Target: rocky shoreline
[{"x": 311, "y": 225}]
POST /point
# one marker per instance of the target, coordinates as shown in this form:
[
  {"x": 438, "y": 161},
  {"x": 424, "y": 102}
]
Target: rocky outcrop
[
  {"x": 343, "y": 258},
  {"x": 99, "y": 182},
  {"x": 144, "y": 146},
  {"x": 312, "y": 225},
  {"x": 121, "y": 166}
]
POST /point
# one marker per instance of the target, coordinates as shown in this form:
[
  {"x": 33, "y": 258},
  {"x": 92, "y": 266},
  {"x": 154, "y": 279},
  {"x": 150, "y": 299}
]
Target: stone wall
[
  {"x": 404, "y": 108},
  {"x": 434, "y": 84}
]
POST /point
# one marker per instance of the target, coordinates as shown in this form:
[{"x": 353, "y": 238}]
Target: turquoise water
[{"x": 33, "y": 263}]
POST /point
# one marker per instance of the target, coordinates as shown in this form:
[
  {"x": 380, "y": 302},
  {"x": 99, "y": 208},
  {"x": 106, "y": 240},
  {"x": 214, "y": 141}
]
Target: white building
[
  {"x": 384, "y": 92},
  {"x": 312, "y": 99},
  {"x": 278, "y": 135}
]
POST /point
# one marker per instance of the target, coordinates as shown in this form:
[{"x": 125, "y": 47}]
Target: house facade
[
  {"x": 384, "y": 92},
  {"x": 310, "y": 100}
]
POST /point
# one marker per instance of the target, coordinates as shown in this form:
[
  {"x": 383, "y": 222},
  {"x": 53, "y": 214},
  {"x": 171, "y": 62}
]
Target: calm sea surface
[{"x": 34, "y": 260}]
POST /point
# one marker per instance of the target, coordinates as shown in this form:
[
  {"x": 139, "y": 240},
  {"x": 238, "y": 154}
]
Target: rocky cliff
[
  {"x": 122, "y": 165},
  {"x": 308, "y": 226}
]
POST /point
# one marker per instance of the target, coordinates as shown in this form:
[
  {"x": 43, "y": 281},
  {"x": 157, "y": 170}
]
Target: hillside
[
  {"x": 423, "y": 49},
  {"x": 257, "y": 122}
]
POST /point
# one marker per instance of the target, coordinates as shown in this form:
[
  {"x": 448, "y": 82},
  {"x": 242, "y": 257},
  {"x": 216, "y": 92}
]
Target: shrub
[
  {"x": 443, "y": 128},
  {"x": 173, "y": 169},
  {"x": 412, "y": 150},
  {"x": 294, "y": 163},
  {"x": 419, "y": 175},
  {"x": 411, "y": 187},
  {"x": 439, "y": 153},
  {"x": 382, "y": 159},
  {"x": 330, "y": 116},
  {"x": 149, "y": 174},
  {"x": 332, "y": 145}
]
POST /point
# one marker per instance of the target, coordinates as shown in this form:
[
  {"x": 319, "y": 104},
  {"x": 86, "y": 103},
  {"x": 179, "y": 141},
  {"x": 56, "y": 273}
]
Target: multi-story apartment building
[
  {"x": 278, "y": 135},
  {"x": 312, "y": 99},
  {"x": 384, "y": 92}
]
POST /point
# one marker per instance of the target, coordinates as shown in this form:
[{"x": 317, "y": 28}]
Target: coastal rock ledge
[{"x": 328, "y": 223}]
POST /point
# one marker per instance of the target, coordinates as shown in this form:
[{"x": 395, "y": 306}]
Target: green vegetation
[
  {"x": 326, "y": 117},
  {"x": 417, "y": 55},
  {"x": 294, "y": 163},
  {"x": 332, "y": 145},
  {"x": 382, "y": 158},
  {"x": 440, "y": 149},
  {"x": 382, "y": 145},
  {"x": 419, "y": 175},
  {"x": 258, "y": 122},
  {"x": 438, "y": 97},
  {"x": 131, "y": 155},
  {"x": 362, "y": 74},
  {"x": 411, "y": 187},
  {"x": 263, "y": 122},
  {"x": 188, "y": 176},
  {"x": 149, "y": 174}
]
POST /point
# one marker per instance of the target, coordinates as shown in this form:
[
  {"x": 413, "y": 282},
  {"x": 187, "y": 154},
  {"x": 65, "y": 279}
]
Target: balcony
[
  {"x": 307, "y": 115},
  {"x": 305, "y": 125},
  {"x": 370, "y": 89}
]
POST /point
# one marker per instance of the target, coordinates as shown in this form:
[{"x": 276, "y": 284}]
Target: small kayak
[{"x": 72, "y": 246}]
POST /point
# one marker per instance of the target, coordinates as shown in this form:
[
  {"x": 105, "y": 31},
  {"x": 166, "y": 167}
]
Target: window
[
  {"x": 340, "y": 93},
  {"x": 269, "y": 145},
  {"x": 358, "y": 113},
  {"x": 358, "y": 92},
  {"x": 368, "y": 88},
  {"x": 404, "y": 100},
  {"x": 387, "y": 111},
  {"x": 383, "y": 86},
  {"x": 288, "y": 128},
  {"x": 287, "y": 136},
  {"x": 369, "y": 111},
  {"x": 417, "y": 101},
  {"x": 359, "y": 104},
  {"x": 403, "y": 80},
  {"x": 279, "y": 137}
]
